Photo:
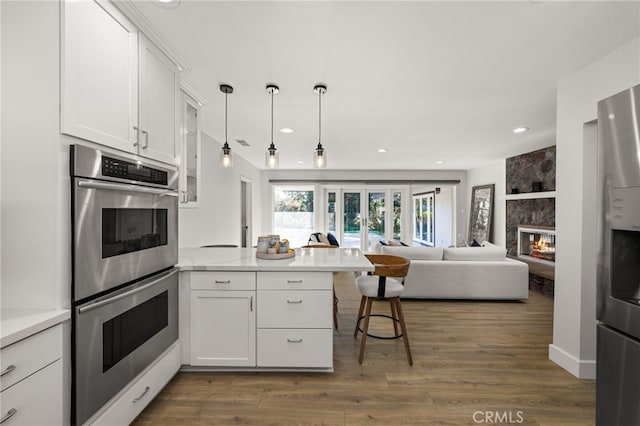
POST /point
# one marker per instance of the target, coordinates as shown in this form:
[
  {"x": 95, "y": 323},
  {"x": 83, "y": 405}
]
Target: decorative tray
[{"x": 275, "y": 255}]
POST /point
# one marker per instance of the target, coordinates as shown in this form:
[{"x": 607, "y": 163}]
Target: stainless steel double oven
[{"x": 125, "y": 285}]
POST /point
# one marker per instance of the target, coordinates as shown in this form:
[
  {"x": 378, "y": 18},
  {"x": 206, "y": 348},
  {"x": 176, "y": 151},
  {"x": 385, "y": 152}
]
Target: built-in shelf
[{"x": 531, "y": 195}]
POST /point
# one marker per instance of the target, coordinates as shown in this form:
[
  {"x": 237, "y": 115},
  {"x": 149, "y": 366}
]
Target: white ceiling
[{"x": 427, "y": 80}]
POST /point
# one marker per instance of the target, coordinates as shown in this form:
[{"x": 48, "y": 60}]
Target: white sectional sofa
[{"x": 462, "y": 272}]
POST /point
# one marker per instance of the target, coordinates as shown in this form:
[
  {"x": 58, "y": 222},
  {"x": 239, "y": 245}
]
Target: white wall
[
  {"x": 574, "y": 332},
  {"x": 369, "y": 176},
  {"x": 491, "y": 173},
  {"x": 35, "y": 209},
  {"x": 217, "y": 219}
]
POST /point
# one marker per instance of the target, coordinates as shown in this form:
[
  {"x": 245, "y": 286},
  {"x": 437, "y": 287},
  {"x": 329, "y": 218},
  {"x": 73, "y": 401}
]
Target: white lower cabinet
[
  {"x": 223, "y": 319},
  {"x": 295, "y": 319},
  {"x": 126, "y": 406},
  {"x": 32, "y": 380},
  {"x": 287, "y": 323}
]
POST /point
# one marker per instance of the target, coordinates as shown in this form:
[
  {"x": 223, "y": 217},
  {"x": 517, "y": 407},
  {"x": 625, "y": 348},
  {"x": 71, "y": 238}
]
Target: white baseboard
[{"x": 582, "y": 369}]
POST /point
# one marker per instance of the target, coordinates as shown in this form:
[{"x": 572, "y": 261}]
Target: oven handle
[
  {"x": 126, "y": 294},
  {"x": 125, "y": 187}
]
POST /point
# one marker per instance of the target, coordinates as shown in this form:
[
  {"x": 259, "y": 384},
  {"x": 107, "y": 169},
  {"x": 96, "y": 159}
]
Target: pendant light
[
  {"x": 226, "y": 157},
  {"x": 320, "y": 156},
  {"x": 271, "y": 157}
]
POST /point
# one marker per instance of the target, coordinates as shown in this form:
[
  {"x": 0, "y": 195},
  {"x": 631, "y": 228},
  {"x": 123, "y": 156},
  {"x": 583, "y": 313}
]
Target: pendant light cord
[
  {"x": 320, "y": 116},
  {"x": 271, "y": 116},
  {"x": 225, "y": 117}
]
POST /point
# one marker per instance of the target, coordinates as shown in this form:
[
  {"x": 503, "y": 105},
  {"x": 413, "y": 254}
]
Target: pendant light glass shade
[
  {"x": 272, "y": 159},
  {"x": 320, "y": 156},
  {"x": 226, "y": 157}
]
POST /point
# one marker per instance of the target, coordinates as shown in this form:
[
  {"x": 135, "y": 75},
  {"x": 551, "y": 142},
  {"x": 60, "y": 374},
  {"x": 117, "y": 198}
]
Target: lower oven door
[
  {"x": 122, "y": 232},
  {"x": 117, "y": 336}
]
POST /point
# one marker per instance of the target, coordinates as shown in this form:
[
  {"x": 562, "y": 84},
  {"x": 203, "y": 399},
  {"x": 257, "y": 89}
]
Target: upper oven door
[{"x": 122, "y": 232}]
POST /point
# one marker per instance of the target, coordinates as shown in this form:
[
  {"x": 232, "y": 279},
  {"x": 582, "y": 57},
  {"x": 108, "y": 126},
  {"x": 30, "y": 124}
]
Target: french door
[{"x": 359, "y": 217}]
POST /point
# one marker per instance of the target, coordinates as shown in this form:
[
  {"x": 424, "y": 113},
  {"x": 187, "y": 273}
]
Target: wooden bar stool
[
  {"x": 335, "y": 298},
  {"x": 384, "y": 284}
]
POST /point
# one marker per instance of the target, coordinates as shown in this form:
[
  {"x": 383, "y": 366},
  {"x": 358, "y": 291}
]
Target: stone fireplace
[{"x": 537, "y": 243}]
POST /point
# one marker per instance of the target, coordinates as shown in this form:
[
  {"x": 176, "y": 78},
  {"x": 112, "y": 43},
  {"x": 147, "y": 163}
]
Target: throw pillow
[
  {"x": 383, "y": 243},
  {"x": 475, "y": 243},
  {"x": 403, "y": 244},
  {"x": 332, "y": 239},
  {"x": 314, "y": 238},
  {"x": 393, "y": 243}
]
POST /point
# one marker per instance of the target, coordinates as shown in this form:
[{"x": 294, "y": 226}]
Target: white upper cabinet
[
  {"x": 190, "y": 156},
  {"x": 118, "y": 89},
  {"x": 158, "y": 93},
  {"x": 99, "y": 75}
]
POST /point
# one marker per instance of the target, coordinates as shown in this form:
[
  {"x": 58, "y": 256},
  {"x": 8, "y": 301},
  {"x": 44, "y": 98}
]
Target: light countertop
[
  {"x": 17, "y": 324},
  {"x": 244, "y": 259}
]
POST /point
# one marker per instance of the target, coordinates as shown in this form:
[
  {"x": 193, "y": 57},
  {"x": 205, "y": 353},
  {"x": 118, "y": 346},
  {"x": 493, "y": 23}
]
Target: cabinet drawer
[
  {"x": 295, "y": 280},
  {"x": 295, "y": 309},
  {"x": 127, "y": 405},
  {"x": 37, "y": 400},
  {"x": 29, "y": 355},
  {"x": 295, "y": 348},
  {"x": 223, "y": 280}
]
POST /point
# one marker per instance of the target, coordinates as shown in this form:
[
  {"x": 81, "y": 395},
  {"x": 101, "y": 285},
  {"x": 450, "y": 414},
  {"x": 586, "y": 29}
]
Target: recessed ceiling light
[
  {"x": 439, "y": 162},
  {"x": 166, "y": 1},
  {"x": 286, "y": 130},
  {"x": 383, "y": 150},
  {"x": 300, "y": 162},
  {"x": 520, "y": 129}
]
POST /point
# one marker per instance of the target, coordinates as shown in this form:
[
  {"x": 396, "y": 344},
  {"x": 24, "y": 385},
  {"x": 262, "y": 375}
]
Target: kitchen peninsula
[{"x": 238, "y": 312}]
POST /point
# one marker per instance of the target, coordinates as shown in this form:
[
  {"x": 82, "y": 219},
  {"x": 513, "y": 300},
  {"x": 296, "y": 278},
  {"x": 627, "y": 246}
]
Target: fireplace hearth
[{"x": 537, "y": 243}]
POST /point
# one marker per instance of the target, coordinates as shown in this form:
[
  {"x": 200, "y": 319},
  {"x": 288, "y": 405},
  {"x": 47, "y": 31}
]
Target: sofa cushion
[
  {"x": 486, "y": 252},
  {"x": 414, "y": 253}
]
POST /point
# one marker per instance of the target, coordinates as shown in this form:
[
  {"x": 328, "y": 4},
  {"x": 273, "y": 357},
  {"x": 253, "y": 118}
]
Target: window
[
  {"x": 424, "y": 213},
  {"x": 293, "y": 217}
]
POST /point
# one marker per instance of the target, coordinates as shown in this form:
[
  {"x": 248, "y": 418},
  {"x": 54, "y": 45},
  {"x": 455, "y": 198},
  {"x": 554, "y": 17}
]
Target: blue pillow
[{"x": 332, "y": 239}]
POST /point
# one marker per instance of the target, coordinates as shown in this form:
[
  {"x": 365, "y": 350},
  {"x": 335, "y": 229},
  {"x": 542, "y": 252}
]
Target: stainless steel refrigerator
[{"x": 618, "y": 301}]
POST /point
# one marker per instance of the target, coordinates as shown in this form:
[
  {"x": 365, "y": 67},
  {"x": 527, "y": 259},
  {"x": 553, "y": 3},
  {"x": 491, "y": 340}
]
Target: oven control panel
[{"x": 121, "y": 169}]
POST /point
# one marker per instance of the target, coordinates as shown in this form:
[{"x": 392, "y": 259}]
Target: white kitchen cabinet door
[
  {"x": 158, "y": 103},
  {"x": 99, "y": 88},
  {"x": 223, "y": 328},
  {"x": 191, "y": 152}
]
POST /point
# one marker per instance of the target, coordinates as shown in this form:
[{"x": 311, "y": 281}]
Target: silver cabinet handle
[
  {"x": 251, "y": 304},
  {"x": 146, "y": 139},
  {"x": 137, "y": 142},
  {"x": 290, "y": 340},
  {"x": 294, "y": 281},
  {"x": 223, "y": 281},
  {"x": 9, "y": 414},
  {"x": 125, "y": 187},
  {"x": 8, "y": 370},
  {"x": 146, "y": 389},
  {"x": 294, "y": 301}
]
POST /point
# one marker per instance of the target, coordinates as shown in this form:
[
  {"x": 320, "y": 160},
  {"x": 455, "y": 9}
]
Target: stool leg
[
  {"x": 362, "y": 300},
  {"x": 405, "y": 338},
  {"x": 367, "y": 315},
  {"x": 335, "y": 309},
  {"x": 394, "y": 315}
]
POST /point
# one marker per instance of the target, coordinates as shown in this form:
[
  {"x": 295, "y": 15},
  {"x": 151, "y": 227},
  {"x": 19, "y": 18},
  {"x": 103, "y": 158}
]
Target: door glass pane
[
  {"x": 376, "y": 217},
  {"x": 351, "y": 219},
  {"x": 397, "y": 226},
  {"x": 425, "y": 219},
  {"x": 129, "y": 230},
  {"x": 331, "y": 212},
  {"x": 417, "y": 230},
  {"x": 293, "y": 215}
]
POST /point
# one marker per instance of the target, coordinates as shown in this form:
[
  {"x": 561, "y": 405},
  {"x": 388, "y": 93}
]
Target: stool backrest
[{"x": 387, "y": 265}]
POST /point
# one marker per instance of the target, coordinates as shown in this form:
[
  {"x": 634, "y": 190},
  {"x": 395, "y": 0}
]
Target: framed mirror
[{"x": 480, "y": 215}]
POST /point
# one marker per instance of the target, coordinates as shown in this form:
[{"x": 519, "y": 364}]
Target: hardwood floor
[{"x": 474, "y": 363}]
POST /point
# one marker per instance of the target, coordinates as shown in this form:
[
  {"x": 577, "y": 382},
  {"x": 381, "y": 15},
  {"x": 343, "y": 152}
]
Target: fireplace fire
[{"x": 537, "y": 243}]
